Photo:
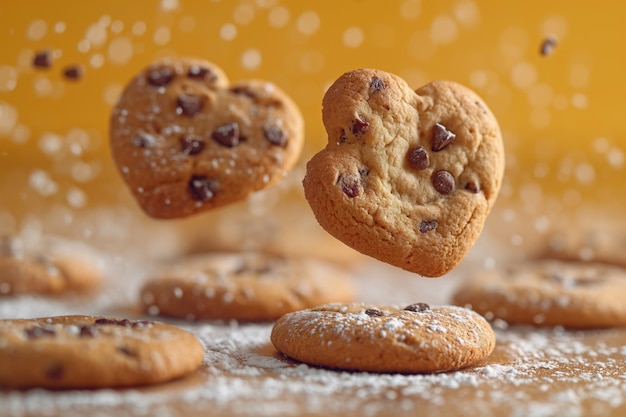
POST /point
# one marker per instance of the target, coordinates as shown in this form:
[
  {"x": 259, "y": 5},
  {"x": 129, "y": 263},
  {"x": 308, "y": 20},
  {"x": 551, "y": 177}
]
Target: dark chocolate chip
[
  {"x": 376, "y": 85},
  {"x": 144, "y": 140},
  {"x": 189, "y": 105},
  {"x": 427, "y": 226},
  {"x": 55, "y": 371},
  {"x": 114, "y": 322},
  {"x": 547, "y": 46},
  {"x": 227, "y": 135},
  {"x": 86, "y": 331},
  {"x": 73, "y": 72},
  {"x": 417, "y": 307},
  {"x": 350, "y": 185},
  {"x": 160, "y": 77},
  {"x": 42, "y": 59},
  {"x": 36, "y": 332},
  {"x": 442, "y": 137},
  {"x": 359, "y": 126},
  {"x": 191, "y": 144},
  {"x": 418, "y": 158},
  {"x": 342, "y": 136},
  {"x": 201, "y": 73},
  {"x": 472, "y": 187},
  {"x": 243, "y": 91},
  {"x": 275, "y": 136},
  {"x": 202, "y": 188},
  {"x": 443, "y": 182},
  {"x": 372, "y": 312}
]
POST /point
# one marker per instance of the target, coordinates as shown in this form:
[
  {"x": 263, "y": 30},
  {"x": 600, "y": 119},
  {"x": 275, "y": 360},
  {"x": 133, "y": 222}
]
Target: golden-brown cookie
[
  {"x": 185, "y": 140},
  {"x": 549, "y": 292},
  {"x": 243, "y": 286},
  {"x": 362, "y": 337},
  {"x": 93, "y": 352},
  {"x": 407, "y": 177},
  {"x": 48, "y": 266}
]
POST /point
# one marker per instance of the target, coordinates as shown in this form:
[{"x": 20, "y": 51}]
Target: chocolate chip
[
  {"x": 243, "y": 91},
  {"x": 200, "y": 72},
  {"x": 359, "y": 126},
  {"x": 376, "y": 85},
  {"x": 350, "y": 185},
  {"x": 427, "y": 226},
  {"x": 472, "y": 187},
  {"x": 127, "y": 351},
  {"x": 443, "y": 182},
  {"x": 547, "y": 46},
  {"x": 418, "y": 158},
  {"x": 342, "y": 136},
  {"x": 227, "y": 135},
  {"x": 86, "y": 331},
  {"x": 144, "y": 140},
  {"x": 442, "y": 137},
  {"x": 42, "y": 59},
  {"x": 114, "y": 322},
  {"x": 55, "y": 371},
  {"x": 189, "y": 105},
  {"x": 160, "y": 77},
  {"x": 202, "y": 188},
  {"x": 73, "y": 72},
  {"x": 372, "y": 312},
  {"x": 417, "y": 307},
  {"x": 275, "y": 136},
  {"x": 36, "y": 332},
  {"x": 192, "y": 144}
]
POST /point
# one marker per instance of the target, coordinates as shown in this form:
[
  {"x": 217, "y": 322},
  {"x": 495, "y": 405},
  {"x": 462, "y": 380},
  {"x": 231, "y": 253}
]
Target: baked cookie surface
[
  {"x": 185, "y": 140},
  {"x": 407, "y": 177},
  {"x": 243, "y": 286},
  {"x": 549, "y": 293},
  {"x": 48, "y": 266},
  {"x": 363, "y": 337},
  {"x": 93, "y": 352}
]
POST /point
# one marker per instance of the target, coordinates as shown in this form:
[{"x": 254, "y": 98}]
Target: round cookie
[
  {"x": 93, "y": 352},
  {"x": 243, "y": 286},
  {"x": 185, "y": 140},
  {"x": 49, "y": 266},
  {"x": 549, "y": 293},
  {"x": 407, "y": 177},
  {"x": 362, "y": 337}
]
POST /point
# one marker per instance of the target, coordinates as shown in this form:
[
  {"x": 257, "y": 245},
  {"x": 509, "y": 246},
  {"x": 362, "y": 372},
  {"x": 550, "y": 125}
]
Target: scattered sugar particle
[
  {"x": 585, "y": 173},
  {"x": 21, "y": 133},
  {"x": 84, "y": 172},
  {"x": 37, "y": 30},
  {"x": 615, "y": 157},
  {"x": 178, "y": 292},
  {"x": 410, "y": 9},
  {"x": 59, "y": 27},
  {"x": 228, "y": 297},
  {"x": 579, "y": 100},
  {"x": 467, "y": 13},
  {"x": 251, "y": 59},
  {"x": 353, "y": 37},
  {"x": 169, "y": 5},
  {"x": 600, "y": 144},
  {"x": 41, "y": 182},
  {"x": 96, "y": 35},
  {"x": 105, "y": 21},
  {"x": 112, "y": 92},
  {"x": 579, "y": 75},
  {"x": 243, "y": 14},
  {"x": 120, "y": 50},
  {"x": 50, "y": 143},
  {"x": 117, "y": 26},
  {"x": 278, "y": 17},
  {"x": 540, "y": 118},
  {"x": 8, "y": 78},
  {"x": 187, "y": 23},
  {"x": 523, "y": 74},
  {"x": 96, "y": 61},
  {"x": 76, "y": 198},
  {"x": 139, "y": 28},
  {"x": 540, "y": 95},
  {"x": 153, "y": 310},
  {"x": 8, "y": 118},
  {"x": 443, "y": 30},
  {"x": 162, "y": 35},
  {"x": 308, "y": 22},
  {"x": 228, "y": 31}
]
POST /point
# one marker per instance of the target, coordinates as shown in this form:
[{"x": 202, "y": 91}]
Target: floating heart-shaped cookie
[
  {"x": 185, "y": 140},
  {"x": 408, "y": 177}
]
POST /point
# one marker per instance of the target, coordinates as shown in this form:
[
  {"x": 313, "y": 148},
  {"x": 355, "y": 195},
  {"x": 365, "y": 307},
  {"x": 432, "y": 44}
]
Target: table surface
[{"x": 538, "y": 372}]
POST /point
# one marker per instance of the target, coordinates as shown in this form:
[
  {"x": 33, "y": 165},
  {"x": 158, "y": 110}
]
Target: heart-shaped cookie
[
  {"x": 407, "y": 177},
  {"x": 185, "y": 140}
]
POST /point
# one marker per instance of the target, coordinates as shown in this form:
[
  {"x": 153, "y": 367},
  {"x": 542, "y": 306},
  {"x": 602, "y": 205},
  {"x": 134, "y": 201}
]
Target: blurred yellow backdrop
[{"x": 561, "y": 114}]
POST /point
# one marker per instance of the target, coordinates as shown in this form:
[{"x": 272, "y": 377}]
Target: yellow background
[{"x": 561, "y": 115}]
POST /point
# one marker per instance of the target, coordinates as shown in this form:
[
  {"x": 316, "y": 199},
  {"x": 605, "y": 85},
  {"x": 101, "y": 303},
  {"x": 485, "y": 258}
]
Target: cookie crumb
[
  {"x": 73, "y": 72},
  {"x": 548, "y": 45},
  {"x": 42, "y": 59}
]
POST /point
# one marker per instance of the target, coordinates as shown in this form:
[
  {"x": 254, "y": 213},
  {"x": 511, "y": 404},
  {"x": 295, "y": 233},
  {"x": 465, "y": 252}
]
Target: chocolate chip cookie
[
  {"x": 407, "y": 177},
  {"x": 93, "y": 352},
  {"x": 185, "y": 140},
  {"x": 363, "y": 337},
  {"x": 549, "y": 292},
  {"x": 248, "y": 286}
]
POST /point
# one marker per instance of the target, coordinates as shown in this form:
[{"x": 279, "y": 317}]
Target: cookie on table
[
  {"x": 377, "y": 338},
  {"x": 603, "y": 244},
  {"x": 243, "y": 286},
  {"x": 549, "y": 292},
  {"x": 185, "y": 140},
  {"x": 93, "y": 352},
  {"x": 407, "y": 177},
  {"x": 48, "y": 266}
]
